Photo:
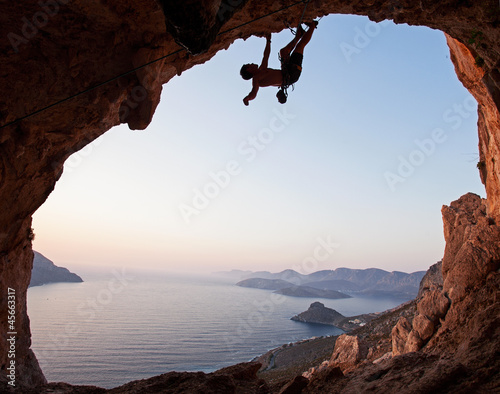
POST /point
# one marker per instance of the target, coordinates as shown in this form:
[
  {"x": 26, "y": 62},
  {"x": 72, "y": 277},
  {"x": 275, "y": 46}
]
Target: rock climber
[{"x": 291, "y": 65}]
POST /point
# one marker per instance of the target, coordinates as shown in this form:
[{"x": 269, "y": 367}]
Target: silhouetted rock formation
[
  {"x": 77, "y": 45},
  {"x": 44, "y": 272},
  {"x": 318, "y": 313}
]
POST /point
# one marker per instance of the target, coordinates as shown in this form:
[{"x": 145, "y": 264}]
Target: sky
[{"x": 377, "y": 135}]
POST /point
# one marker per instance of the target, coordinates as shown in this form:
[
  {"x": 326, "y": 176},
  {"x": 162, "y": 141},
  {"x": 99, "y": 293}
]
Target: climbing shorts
[{"x": 292, "y": 68}]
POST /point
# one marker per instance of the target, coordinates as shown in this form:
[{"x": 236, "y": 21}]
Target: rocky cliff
[
  {"x": 55, "y": 49},
  {"x": 450, "y": 342}
]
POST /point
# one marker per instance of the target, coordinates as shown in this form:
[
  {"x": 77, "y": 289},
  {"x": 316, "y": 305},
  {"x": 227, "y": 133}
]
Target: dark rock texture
[
  {"x": 44, "y": 272},
  {"x": 51, "y": 52},
  {"x": 432, "y": 280},
  {"x": 240, "y": 378}
]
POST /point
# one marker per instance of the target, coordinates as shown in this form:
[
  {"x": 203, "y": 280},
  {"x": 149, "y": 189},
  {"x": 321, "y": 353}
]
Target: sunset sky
[{"x": 352, "y": 172}]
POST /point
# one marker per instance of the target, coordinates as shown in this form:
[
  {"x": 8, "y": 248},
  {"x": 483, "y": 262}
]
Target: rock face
[
  {"x": 451, "y": 342},
  {"x": 318, "y": 313},
  {"x": 431, "y": 308},
  {"x": 349, "y": 351},
  {"x": 472, "y": 254},
  {"x": 66, "y": 47},
  {"x": 44, "y": 272},
  {"x": 433, "y": 279}
]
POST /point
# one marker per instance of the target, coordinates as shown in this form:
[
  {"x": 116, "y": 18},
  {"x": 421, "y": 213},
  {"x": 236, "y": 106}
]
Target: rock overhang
[{"x": 55, "y": 48}]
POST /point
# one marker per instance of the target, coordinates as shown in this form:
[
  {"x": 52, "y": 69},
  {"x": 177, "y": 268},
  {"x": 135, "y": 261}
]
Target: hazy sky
[{"x": 352, "y": 172}]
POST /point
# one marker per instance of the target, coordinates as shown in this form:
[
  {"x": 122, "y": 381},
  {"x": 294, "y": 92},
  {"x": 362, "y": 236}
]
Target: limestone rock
[
  {"x": 434, "y": 304},
  {"x": 472, "y": 245},
  {"x": 424, "y": 327},
  {"x": 451, "y": 344},
  {"x": 414, "y": 342},
  {"x": 349, "y": 351},
  {"x": 386, "y": 356},
  {"x": 399, "y": 336},
  {"x": 432, "y": 280}
]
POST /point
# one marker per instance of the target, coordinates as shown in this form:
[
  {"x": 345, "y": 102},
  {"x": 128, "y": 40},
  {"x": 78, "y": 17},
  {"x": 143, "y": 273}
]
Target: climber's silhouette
[{"x": 291, "y": 65}]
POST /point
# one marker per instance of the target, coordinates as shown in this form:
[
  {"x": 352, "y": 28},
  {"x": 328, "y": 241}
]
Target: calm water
[{"x": 121, "y": 327}]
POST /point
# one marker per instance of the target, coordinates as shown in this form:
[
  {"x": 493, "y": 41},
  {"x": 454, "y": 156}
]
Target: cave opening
[{"x": 376, "y": 136}]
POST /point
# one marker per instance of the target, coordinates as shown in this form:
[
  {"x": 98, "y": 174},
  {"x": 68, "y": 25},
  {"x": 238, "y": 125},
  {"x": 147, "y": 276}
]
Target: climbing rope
[
  {"x": 283, "y": 89},
  {"x": 303, "y": 12},
  {"x": 287, "y": 24},
  {"x": 89, "y": 89}
]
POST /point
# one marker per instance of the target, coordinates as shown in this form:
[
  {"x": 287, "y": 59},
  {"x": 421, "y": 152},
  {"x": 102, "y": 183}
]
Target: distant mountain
[
  {"x": 306, "y": 291},
  {"x": 335, "y": 284},
  {"x": 372, "y": 281},
  {"x": 287, "y": 275},
  {"x": 44, "y": 272},
  {"x": 265, "y": 284}
]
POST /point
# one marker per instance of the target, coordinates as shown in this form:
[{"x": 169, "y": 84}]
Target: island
[
  {"x": 307, "y": 291},
  {"x": 264, "y": 284},
  {"x": 319, "y": 314}
]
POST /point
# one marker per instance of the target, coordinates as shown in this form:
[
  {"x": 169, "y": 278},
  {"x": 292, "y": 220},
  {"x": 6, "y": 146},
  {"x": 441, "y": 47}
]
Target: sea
[{"x": 118, "y": 326}]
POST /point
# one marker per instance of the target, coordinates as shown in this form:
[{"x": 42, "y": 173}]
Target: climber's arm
[
  {"x": 252, "y": 94},
  {"x": 267, "y": 52}
]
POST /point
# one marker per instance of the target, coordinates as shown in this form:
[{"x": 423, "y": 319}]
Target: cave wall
[{"x": 52, "y": 49}]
